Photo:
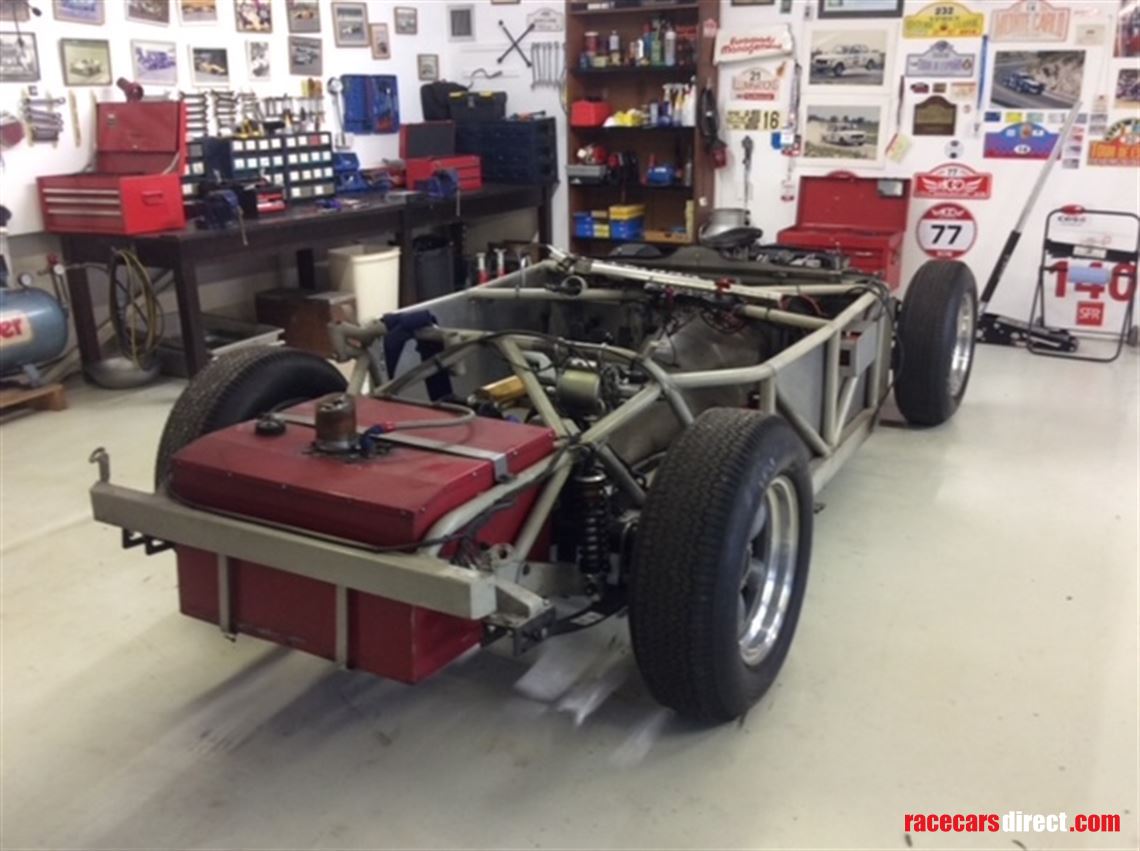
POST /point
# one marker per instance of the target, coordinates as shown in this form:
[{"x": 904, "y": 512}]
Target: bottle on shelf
[
  {"x": 670, "y": 47},
  {"x": 615, "y": 48}
]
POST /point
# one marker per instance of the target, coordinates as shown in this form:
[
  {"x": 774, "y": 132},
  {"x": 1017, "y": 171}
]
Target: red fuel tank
[{"x": 387, "y": 500}]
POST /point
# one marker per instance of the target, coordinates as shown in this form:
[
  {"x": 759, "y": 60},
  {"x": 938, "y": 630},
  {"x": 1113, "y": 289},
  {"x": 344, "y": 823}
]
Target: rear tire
[
  {"x": 239, "y": 386},
  {"x": 936, "y": 342},
  {"x": 729, "y": 516}
]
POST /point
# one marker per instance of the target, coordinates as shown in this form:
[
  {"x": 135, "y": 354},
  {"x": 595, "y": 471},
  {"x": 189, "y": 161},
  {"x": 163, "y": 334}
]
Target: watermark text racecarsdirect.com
[{"x": 1014, "y": 821}]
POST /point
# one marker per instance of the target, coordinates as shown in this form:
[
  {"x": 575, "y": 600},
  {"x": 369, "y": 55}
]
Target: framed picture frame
[
  {"x": 194, "y": 12},
  {"x": 303, "y": 16},
  {"x": 155, "y": 63},
  {"x": 305, "y": 56},
  {"x": 406, "y": 20},
  {"x": 427, "y": 67},
  {"x": 17, "y": 11},
  {"x": 379, "y": 41},
  {"x": 253, "y": 16},
  {"x": 257, "y": 61},
  {"x": 350, "y": 24},
  {"x": 155, "y": 12},
  {"x": 854, "y": 57},
  {"x": 19, "y": 57},
  {"x": 860, "y": 9},
  {"x": 78, "y": 11},
  {"x": 85, "y": 61},
  {"x": 845, "y": 132},
  {"x": 209, "y": 66},
  {"x": 461, "y": 23},
  {"x": 505, "y": 2}
]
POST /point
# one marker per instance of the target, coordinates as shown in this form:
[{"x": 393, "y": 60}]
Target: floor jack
[{"x": 1004, "y": 330}]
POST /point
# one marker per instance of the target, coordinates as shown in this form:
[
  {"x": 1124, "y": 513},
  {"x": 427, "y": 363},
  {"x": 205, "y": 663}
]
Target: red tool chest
[
  {"x": 387, "y": 500},
  {"x": 429, "y": 146},
  {"x": 140, "y": 148},
  {"x": 862, "y": 217},
  {"x": 468, "y": 167}
]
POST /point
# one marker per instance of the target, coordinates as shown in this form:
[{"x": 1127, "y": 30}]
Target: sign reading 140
[{"x": 947, "y": 231}]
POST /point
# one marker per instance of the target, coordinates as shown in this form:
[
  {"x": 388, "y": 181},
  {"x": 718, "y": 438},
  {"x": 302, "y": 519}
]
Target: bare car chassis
[{"x": 705, "y": 413}]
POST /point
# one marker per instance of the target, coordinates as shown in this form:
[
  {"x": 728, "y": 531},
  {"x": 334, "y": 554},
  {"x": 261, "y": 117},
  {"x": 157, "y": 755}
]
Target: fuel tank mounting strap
[{"x": 499, "y": 461}]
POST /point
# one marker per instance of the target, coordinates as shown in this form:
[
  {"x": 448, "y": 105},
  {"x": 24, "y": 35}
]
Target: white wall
[{"x": 1112, "y": 188}]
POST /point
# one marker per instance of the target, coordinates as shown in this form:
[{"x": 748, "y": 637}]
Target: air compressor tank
[{"x": 33, "y": 328}]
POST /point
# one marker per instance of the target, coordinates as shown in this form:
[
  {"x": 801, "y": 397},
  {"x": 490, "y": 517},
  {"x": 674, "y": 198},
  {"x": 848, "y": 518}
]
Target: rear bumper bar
[{"x": 407, "y": 578}]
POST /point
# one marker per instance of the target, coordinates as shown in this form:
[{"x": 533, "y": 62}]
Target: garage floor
[{"x": 968, "y": 644}]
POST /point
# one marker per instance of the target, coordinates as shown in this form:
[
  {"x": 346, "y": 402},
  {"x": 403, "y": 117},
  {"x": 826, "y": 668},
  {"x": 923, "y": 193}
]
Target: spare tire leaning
[
  {"x": 936, "y": 342},
  {"x": 240, "y": 386}
]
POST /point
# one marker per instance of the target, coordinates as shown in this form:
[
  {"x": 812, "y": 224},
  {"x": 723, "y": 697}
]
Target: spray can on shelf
[
  {"x": 481, "y": 273},
  {"x": 615, "y": 48},
  {"x": 500, "y": 262},
  {"x": 670, "y": 47}
]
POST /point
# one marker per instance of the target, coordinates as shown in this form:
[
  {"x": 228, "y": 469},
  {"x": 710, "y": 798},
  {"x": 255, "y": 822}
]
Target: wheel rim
[
  {"x": 963, "y": 345},
  {"x": 769, "y": 571}
]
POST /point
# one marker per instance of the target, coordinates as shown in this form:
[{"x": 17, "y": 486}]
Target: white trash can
[{"x": 369, "y": 272}]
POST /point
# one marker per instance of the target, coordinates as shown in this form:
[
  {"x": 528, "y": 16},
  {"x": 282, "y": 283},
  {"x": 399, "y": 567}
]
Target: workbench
[{"x": 300, "y": 230}]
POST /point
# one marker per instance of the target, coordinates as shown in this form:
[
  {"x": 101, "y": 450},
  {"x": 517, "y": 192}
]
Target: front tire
[
  {"x": 936, "y": 342},
  {"x": 721, "y": 563}
]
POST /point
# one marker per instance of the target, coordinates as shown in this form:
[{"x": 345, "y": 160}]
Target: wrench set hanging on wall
[{"x": 547, "y": 64}]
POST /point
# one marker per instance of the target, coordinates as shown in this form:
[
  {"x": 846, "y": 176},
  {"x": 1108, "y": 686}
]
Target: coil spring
[{"x": 593, "y": 517}]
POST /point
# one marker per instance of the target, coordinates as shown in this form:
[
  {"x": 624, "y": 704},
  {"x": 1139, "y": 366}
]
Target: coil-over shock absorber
[{"x": 593, "y": 514}]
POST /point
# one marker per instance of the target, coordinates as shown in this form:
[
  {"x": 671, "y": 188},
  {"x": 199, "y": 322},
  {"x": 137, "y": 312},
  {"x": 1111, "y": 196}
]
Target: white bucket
[{"x": 371, "y": 273}]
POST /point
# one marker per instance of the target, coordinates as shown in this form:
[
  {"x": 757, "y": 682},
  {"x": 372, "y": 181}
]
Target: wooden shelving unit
[{"x": 625, "y": 87}]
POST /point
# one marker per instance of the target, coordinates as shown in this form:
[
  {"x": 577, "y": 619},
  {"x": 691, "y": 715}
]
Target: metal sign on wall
[
  {"x": 947, "y": 231},
  {"x": 1021, "y": 141},
  {"x": 953, "y": 181},
  {"x": 753, "y": 44},
  {"x": 1119, "y": 147},
  {"x": 755, "y": 83},
  {"x": 935, "y": 116},
  {"x": 1030, "y": 20},
  {"x": 941, "y": 60},
  {"x": 944, "y": 20},
  {"x": 546, "y": 20}
]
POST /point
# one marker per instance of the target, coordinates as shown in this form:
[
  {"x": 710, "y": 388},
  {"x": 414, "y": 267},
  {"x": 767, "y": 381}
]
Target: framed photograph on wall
[
  {"x": 1037, "y": 79},
  {"x": 845, "y": 132},
  {"x": 303, "y": 16},
  {"x": 19, "y": 58},
  {"x": 461, "y": 23},
  {"x": 350, "y": 24},
  {"x": 155, "y": 63},
  {"x": 257, "y": 61},
  {"x": 305, "y": 58},
  {"x": 197, "y": 12},
  {"x": 15, "y": 10},
  {"x": 378, "y": 39},
  {"x": 78, "y": 11},
  {"x": 85, "y": 61},
  {"x": 253, "y": 16},
  {"x": 427, "y": 66},
  {"x": 753, "y": 2},
  {"x": 149, "y": 12},
  {"x": 852, "y": 58},
  {"x": 861, "y": 8},
  {"x": 407, "y": 20},
  {"x": 209, "y": 66}
]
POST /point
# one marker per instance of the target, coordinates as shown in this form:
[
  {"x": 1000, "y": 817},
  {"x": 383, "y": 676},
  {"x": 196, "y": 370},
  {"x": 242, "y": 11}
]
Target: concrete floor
[{"x": 968, "y": 644}]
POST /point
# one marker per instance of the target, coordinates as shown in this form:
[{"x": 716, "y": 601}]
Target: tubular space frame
[{"x": 423, "y": 578}]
